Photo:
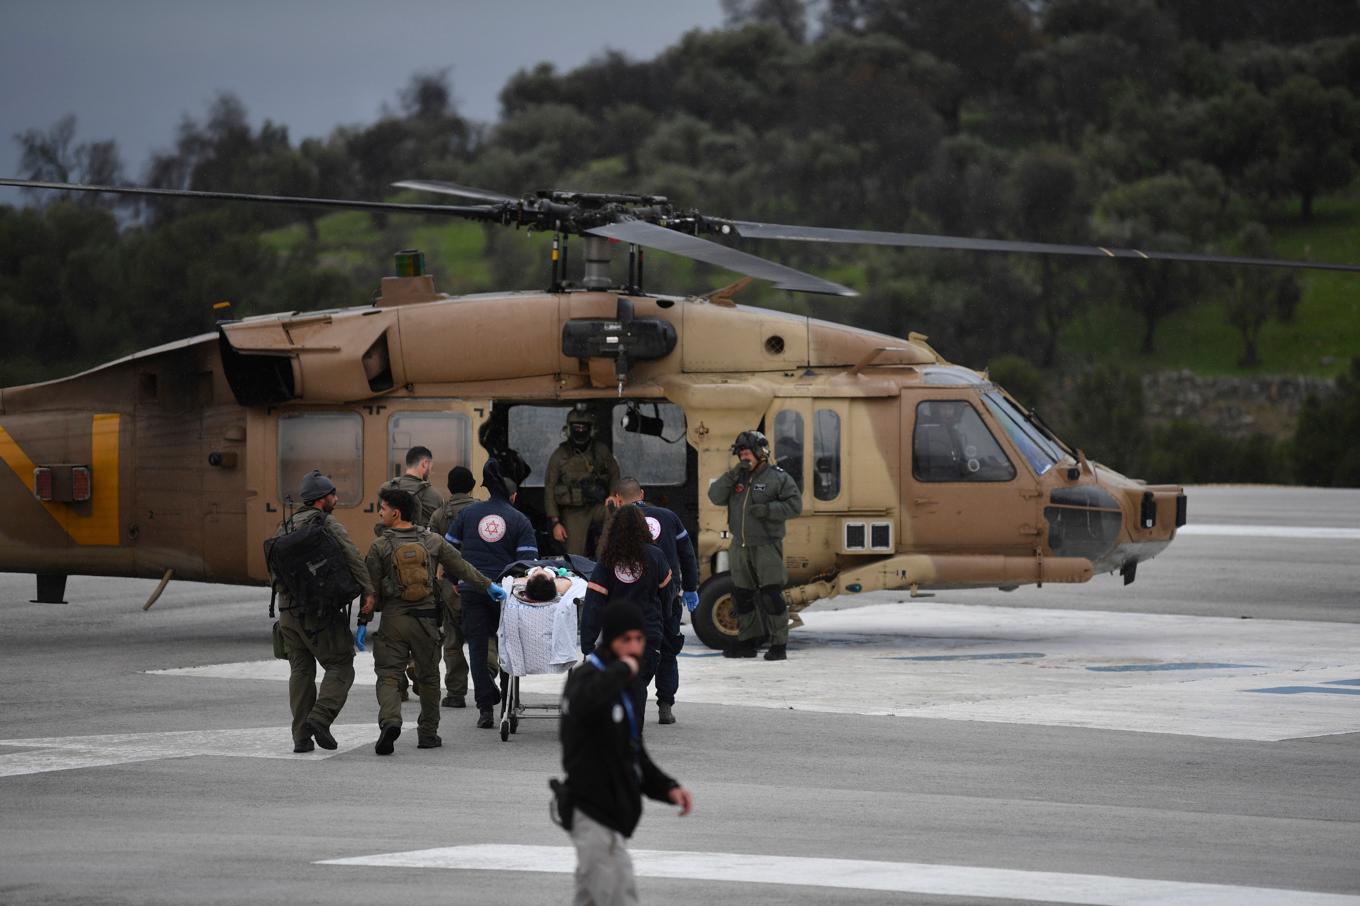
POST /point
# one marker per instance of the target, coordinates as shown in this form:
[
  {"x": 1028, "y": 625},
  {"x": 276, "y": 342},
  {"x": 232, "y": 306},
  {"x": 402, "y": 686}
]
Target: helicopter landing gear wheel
[{"x": 715, "y": 619}]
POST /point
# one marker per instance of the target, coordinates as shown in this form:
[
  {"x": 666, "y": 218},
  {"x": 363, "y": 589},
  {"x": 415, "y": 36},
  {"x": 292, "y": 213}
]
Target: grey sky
[{"x": 131, "y": 69}]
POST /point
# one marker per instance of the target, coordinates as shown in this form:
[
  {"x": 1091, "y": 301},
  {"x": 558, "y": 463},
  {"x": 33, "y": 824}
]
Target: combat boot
[
  {"x": 304, "y": 745},
  {"x": 455, "y": 701},
  {"x": 429, "y": 742},
  {"x": 386, "y": 736},
  {"x": 777, "y": 653},
  {"x": 664, "y": 715},
  {"x": 322, "y": 734},
  {"x": 741, "y": 648},
  {"x": 485, "y": 720}
]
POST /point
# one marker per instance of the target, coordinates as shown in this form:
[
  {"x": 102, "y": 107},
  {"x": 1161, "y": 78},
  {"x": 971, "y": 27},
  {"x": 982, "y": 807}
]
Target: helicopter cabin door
[{"x": 963, "y": 489}]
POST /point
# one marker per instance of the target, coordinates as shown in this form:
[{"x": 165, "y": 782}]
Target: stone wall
[{"x": 1234, "y": 406}]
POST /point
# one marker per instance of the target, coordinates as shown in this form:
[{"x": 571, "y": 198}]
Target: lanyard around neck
[{"x": 624, "y": 698}]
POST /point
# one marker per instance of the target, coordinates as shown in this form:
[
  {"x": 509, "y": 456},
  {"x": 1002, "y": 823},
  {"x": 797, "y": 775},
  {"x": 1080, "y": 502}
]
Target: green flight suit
[
  {"x": 410, "y": 630},
  {"x": 758, "y": 504},
  {"x": 329, "y": 643},
  {"x": 455, "y": 662},
  {"x": 575, "y": 487}
]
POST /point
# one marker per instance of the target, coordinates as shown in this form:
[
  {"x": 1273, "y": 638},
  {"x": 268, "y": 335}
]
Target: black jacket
[
  {"x": 606, "y": 778},
  {"x": 650, "y": 590}
]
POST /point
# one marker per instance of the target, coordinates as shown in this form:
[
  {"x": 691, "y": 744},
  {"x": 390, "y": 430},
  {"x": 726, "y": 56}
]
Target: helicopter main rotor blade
[
  {"x": 752, "y": 230},
  {"x": 473, "y": 212},
  {"x": 453, "y": 188},
  {"x": 666, "y": 240}
]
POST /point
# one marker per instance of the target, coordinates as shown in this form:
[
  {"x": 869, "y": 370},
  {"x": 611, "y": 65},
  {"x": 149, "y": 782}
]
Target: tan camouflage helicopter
[{"x": 917, "y": 473}]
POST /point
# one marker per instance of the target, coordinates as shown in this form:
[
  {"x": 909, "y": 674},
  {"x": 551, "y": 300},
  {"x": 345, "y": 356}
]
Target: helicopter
[{"x": 917, "y": 473}]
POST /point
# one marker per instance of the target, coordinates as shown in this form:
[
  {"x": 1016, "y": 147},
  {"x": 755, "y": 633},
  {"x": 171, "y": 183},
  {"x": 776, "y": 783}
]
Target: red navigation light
[
  {"x": 81, "y": 484},
  {"x": 42, "y": 483}
]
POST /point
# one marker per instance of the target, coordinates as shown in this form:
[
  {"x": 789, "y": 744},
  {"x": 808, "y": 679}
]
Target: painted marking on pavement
[
  {"x": 66, "y": 753},
  {"x": 860, "y": 874},
  {"x": 1343, "y": 682},
  {"x": 1005, "y": 656},
  {"x": 1184, "y": 665},
  {"x": 1300, "y": 690},
  {"x": 1320, "y": 532}
]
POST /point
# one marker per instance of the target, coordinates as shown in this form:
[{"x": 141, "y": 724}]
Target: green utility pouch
[{"x": 280, "y": 646}]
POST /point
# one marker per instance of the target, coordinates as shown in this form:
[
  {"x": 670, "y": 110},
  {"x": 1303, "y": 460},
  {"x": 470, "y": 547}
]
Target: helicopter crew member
[
  {"x": 402, "y": 567},
  {"x": 492, "y": 534},
  {"x": 670, "y": 536},
  {"x": 416, "y": 482},
  {"x": 580, "y": 473},
  {"x": 607, "y": 766},
  {"x": 460, "y": 484},
  {"x": 325, "y": 640},
  {"x": 760, "y": 498},
  {"x": 630, "y": 568}
]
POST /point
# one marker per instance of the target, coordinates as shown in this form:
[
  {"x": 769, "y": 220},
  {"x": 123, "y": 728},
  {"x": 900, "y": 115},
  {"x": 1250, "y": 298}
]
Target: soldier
[
  {"x": 580, "y": 473},
  {"x": 760, "y": 498},
  {"x": 669, "y": 534},
  {"x": 416, "y": 482},
  {"x": 491, "y": 534},
  {"x": 460, "y": 484},
  {"x": 401, "y": 566},
  {"x": 326, "y": 639}
]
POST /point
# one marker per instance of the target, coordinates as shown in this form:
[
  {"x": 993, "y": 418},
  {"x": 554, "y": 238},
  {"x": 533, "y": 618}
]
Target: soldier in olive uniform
[
  {"x": 326, "y": 640},
  {"x": 580, "y": 473},
  {"x": 760, "y": 497},
  {"x": 416, "y": 482},
  {"x": 411, "y": 614},
  {"x": 460, "y": 487}
]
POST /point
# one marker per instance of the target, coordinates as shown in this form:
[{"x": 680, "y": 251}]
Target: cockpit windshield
[{"x": 1033, "y": 441}]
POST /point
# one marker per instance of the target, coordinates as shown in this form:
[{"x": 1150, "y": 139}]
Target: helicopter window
[
  {"x": 447, "y": 434},
  {"x": 330, "y": 441},
  {"x": 788, "y": 443},
  {"x": 951, "y": 443},
  {"x": 535, "y": 431},
  {"x": 1039, "y": 450},
  {"x": 653, "y": 452},
  {"x": 826, "y": 451}
]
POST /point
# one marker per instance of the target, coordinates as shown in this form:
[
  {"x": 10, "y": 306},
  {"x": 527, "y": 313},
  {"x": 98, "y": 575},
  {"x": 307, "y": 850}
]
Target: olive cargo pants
[
  {"x": 333, "y": 648},
  {"x": 403, "y": 638},
  {"x": 759, "y": 576}
]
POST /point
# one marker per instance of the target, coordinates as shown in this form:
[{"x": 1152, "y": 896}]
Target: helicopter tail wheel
[{"x": 715, "y": 619}]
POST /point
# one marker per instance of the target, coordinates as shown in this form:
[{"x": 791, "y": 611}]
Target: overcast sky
[{"x": 131, "y": 69}]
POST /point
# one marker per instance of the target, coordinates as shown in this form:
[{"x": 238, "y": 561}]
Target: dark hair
[
  {"x": 401, "y": 501},
  {"x": 624, "y": 539},
  {"x": 627, "y": 488},
  {"x": 416, "y": 454},
  {"x": 540, "y": 588},
  {"x": 461, "y": 480}
]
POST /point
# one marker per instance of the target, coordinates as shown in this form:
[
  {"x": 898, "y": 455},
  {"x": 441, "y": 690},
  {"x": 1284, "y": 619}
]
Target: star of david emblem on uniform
[{"x": 491, "y": 528}]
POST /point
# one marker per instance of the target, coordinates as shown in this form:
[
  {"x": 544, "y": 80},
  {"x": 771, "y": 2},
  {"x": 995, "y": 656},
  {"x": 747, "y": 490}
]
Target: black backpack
[{"x": 310, "y": 567}]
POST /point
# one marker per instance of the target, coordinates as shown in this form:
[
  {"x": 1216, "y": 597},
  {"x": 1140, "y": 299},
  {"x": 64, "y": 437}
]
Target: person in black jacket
[{"x": 608, "y": 768}]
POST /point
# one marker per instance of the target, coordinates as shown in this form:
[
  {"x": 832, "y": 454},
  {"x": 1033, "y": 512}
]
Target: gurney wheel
[
  {"x": 514, "y": 724},
  {"x": 505, "y": 731}
]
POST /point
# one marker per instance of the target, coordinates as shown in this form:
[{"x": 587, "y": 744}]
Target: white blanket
[{"x": 539, "y": 637}]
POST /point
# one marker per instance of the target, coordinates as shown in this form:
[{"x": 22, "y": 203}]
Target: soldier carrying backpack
[
  {"x": 401, "y": 566},
  {"x": 317, "y": 573}
]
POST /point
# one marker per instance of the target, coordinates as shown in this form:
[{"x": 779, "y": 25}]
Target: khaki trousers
[
  {"x": 403, "y": 639},
  {"x": 333, "y": 648}
]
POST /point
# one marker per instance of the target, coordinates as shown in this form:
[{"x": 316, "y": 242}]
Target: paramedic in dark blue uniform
[
  {"x": 491, "y": 535},
  {"x": 630, "y": 568},
  {"x": 669, "y": 535}
]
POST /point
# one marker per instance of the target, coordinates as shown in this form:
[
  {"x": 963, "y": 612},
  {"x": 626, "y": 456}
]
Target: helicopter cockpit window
[
  {"x": 1041, "y": 452},
  {"x": 447, "y": 434},
  {"x": 951, "y": 443},
  {"x": 330, "y": 441},
  {"x": 649, "y": 442},
  {"x": 788, "y": 443},
  {"x": 826, "y": 452}
]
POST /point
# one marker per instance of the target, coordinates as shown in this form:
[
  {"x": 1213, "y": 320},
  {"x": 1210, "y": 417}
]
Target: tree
[
  {"x": 1256, "y": 294},
  {"x": 1327, "y": 440},
  {"x": 52, "y": 155},
  {"x": 1321, "y": 138},
  {"x": 790, "y": 16}
]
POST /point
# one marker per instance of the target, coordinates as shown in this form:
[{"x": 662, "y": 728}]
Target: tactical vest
[{"x": 582, "y": 478}]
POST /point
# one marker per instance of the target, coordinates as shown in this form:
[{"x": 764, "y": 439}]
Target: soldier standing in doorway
[
  {"x": 580, "y": 473},
  {"x": 760, "y": 498}
]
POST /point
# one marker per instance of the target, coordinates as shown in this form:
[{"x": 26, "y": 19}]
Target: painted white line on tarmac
[
  {"x": 1309, "y": 532},
  {"x": 858, "y": 874},
  {"x": 68, "y": 753}
]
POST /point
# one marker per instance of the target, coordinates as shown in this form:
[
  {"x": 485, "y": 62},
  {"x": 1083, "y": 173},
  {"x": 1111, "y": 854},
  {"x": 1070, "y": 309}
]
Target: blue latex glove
[
  {"x": 360, "y": 635},
  {"x": 691, "y": 599},
  {"x": 496, "y": 593}
]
